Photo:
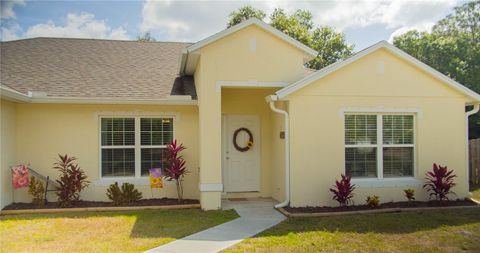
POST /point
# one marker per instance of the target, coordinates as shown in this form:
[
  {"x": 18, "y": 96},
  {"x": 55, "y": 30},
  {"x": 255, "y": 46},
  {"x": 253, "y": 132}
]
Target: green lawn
[
  {"x": 426, "y": 231},
  {"x": 132, "y": 231},
  {"x": 476, "y": 193}
]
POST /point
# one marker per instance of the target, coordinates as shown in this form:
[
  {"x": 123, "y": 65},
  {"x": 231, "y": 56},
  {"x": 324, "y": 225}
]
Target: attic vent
[
  {"x": 253, "y": 44},
  {"x": 380, "y": 67}
]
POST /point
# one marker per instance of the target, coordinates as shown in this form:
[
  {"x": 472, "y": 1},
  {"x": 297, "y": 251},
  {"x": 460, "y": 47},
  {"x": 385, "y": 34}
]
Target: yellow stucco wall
[
  {"x": 379, "y": 80},
  {"x": 232, "y": 59},
  {"x": 7, "y": 150},
  {"x": 44, "y": 130}
]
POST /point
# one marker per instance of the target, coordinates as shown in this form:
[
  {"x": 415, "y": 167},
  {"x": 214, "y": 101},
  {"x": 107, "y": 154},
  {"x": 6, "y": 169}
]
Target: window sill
[
  {"x": 138, "y": 181},
  {"x": 386, "y": 182}
]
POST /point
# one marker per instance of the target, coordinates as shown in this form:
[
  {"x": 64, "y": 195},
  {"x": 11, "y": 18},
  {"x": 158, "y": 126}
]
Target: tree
[
  {"x": 244, "y": 13},
  {"x": 146, "y": 37},
  {"x": 453, "y": 48},
  {"x": 331, "y": 45}
]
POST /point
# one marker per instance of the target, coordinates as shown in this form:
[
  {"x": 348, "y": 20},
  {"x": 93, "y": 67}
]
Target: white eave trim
[
  {"x": 11, "y": 94},
  {"x": 392, "y": 49},
  {"x": 252, "y": 21},
  {"x": 75, "y": 100},
  {"x": 14, "y": 95}
]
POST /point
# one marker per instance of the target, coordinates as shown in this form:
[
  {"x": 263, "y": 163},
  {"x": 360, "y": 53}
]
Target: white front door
[{"x": 241, "y": 169}]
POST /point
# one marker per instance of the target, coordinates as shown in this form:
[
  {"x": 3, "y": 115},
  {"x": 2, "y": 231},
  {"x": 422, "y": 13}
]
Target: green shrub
[
  {"x": 126, "y": 194},
  {"x": 409, "y": 194},
  {"x": 37, "y": 190},
  {"x": 373, "y": 201},
  {"x": 72, "y": 180}
]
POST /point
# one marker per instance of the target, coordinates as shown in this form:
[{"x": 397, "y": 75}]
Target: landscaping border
[
  {"x": 373, "y": 211},
  {"x": 96, "y": 209}
]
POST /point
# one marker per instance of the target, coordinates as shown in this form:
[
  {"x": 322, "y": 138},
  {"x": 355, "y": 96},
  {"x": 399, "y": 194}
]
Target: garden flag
[
  {"x": 20, "y": 176},
  {"x": 156, "y": 178}
]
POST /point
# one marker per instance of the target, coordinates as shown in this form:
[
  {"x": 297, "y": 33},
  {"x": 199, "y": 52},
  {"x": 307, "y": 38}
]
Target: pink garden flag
[{"x": 20, "y": 176}]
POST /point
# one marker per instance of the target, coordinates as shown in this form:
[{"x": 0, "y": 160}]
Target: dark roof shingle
[{"x": 90, "y": 68}]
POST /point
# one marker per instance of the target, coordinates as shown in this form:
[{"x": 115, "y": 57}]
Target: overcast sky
[{"x": 364, "y": 22}]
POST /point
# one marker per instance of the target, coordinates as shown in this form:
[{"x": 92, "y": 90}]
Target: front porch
[{"x": 254, "y": 171}]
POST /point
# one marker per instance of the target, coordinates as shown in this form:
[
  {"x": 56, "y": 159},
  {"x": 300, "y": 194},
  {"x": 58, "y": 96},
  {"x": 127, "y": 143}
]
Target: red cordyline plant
[
  {"x": 343, "y": 190},
  {"x": 439, "y": 182},
  {"x": 72, "y": 180},
  {"x": 176, "y": 167}
]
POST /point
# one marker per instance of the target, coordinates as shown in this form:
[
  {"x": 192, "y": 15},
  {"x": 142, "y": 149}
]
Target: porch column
[{"x": 210, "y": 131}]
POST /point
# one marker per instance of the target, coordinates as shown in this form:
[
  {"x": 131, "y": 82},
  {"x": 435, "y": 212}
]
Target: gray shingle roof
[{"x": 90, "y": 68}]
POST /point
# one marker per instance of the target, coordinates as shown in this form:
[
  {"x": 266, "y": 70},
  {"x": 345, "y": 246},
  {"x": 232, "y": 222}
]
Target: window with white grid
[
  {"x": 131, "y": 146},
  {"x": 379, "y": 146}
]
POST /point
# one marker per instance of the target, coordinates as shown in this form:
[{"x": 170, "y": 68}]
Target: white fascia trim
[
  {"x": 248, "y": 84},
  {"x": 76, "y": 100},
  {"x": 252, "y": 21},
  {"x": 211, "y": 187},
  {"x": 382, "y": 44},
  {"x": 387, "y": 182},
  {"x": 11, "y": 94}
]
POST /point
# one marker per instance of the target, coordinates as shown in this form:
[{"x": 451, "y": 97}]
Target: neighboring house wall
[
  {"x": 7, "y": 150},
  {"x": 45, "y": 130},
  {"x": 377, "y": 82},
  {"x": 249, "y": 54}
]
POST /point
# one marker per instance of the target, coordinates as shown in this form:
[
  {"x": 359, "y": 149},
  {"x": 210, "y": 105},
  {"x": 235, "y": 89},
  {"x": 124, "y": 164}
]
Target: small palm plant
[
  {"x": 343, "y": 190},
  {"x": 439, "y": 182},
  {"x": 176, "y": 170}
]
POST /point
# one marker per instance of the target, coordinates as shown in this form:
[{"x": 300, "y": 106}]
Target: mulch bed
[
  {"x": 405, "y": 204},
  {"x": 82, "y": 203}
]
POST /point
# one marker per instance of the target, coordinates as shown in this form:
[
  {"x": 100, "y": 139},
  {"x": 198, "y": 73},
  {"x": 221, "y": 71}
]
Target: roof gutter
[
  {"x": 33, "y": 97},
  {"x": 13, "y": 95},
  {"x": 271, "y": 100},
  {"x": 475, "y": 109}
]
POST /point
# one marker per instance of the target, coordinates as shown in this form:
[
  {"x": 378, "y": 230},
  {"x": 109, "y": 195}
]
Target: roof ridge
[{"x": 97, "y": 39}]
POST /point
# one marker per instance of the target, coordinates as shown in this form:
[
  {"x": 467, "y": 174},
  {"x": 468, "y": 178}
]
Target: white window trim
[
  {"x": 138, "y": 178},
  {"x": 380, "y": 181}
]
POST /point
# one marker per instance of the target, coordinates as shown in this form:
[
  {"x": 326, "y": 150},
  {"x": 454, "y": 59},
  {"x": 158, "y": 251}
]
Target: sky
[{"x": 364, "y": 22}]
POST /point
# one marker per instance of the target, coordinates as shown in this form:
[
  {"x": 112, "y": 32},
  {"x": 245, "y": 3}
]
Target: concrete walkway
[{"x": 255, "y": 216}]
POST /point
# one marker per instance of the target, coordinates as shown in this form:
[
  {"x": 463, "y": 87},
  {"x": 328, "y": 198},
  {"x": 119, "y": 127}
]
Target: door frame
[{"x": 225, "y": 140}]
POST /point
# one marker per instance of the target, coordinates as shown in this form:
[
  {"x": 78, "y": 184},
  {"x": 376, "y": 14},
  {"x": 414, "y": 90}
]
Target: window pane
[
  {"x": 167, "y": 124},
  {"x": 118, "y": 162},
  {"x": 398, "y": 129},
  {"x": 118, "y": 131},
  {"x": 156, "y": 131},
  {"x": 398, "y": 162},
  {"x": 157, "y": 138},
  {"x": 157, "y": 124},
  {"x": 361, "y": 162},
  {"x": 360, "y": 129},
  {"x": 153, "y": 158}
]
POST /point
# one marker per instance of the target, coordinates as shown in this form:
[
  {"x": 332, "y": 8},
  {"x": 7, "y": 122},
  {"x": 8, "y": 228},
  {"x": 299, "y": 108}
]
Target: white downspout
[
  {"x": 475, "y": 109},
  {"x": 271, "y": 100}
]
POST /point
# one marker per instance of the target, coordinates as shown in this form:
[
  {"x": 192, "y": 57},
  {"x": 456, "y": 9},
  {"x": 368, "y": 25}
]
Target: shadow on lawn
[
  {"x": 388, "y": 223},
  {"x": 150, "y": 223}
]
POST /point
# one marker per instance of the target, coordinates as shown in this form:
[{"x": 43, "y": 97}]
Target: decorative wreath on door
[{"x": 249, "y": 144}]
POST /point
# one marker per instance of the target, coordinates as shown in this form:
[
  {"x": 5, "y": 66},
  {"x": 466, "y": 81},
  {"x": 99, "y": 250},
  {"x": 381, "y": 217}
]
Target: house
[{"x": 256, "y": 122}]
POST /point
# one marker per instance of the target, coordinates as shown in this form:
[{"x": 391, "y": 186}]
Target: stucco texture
[
  {"x": 45, "y": 130},
  {"x": 233, "y": 58},
  {"x": 379, "y": 81}
]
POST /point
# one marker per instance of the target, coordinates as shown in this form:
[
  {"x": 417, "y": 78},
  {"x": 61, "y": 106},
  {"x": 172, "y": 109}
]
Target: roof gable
[
  {"x": 249, "y": 22},
  {"x": 475, "y": 98},
  {"x": 188, "y": 54}
]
